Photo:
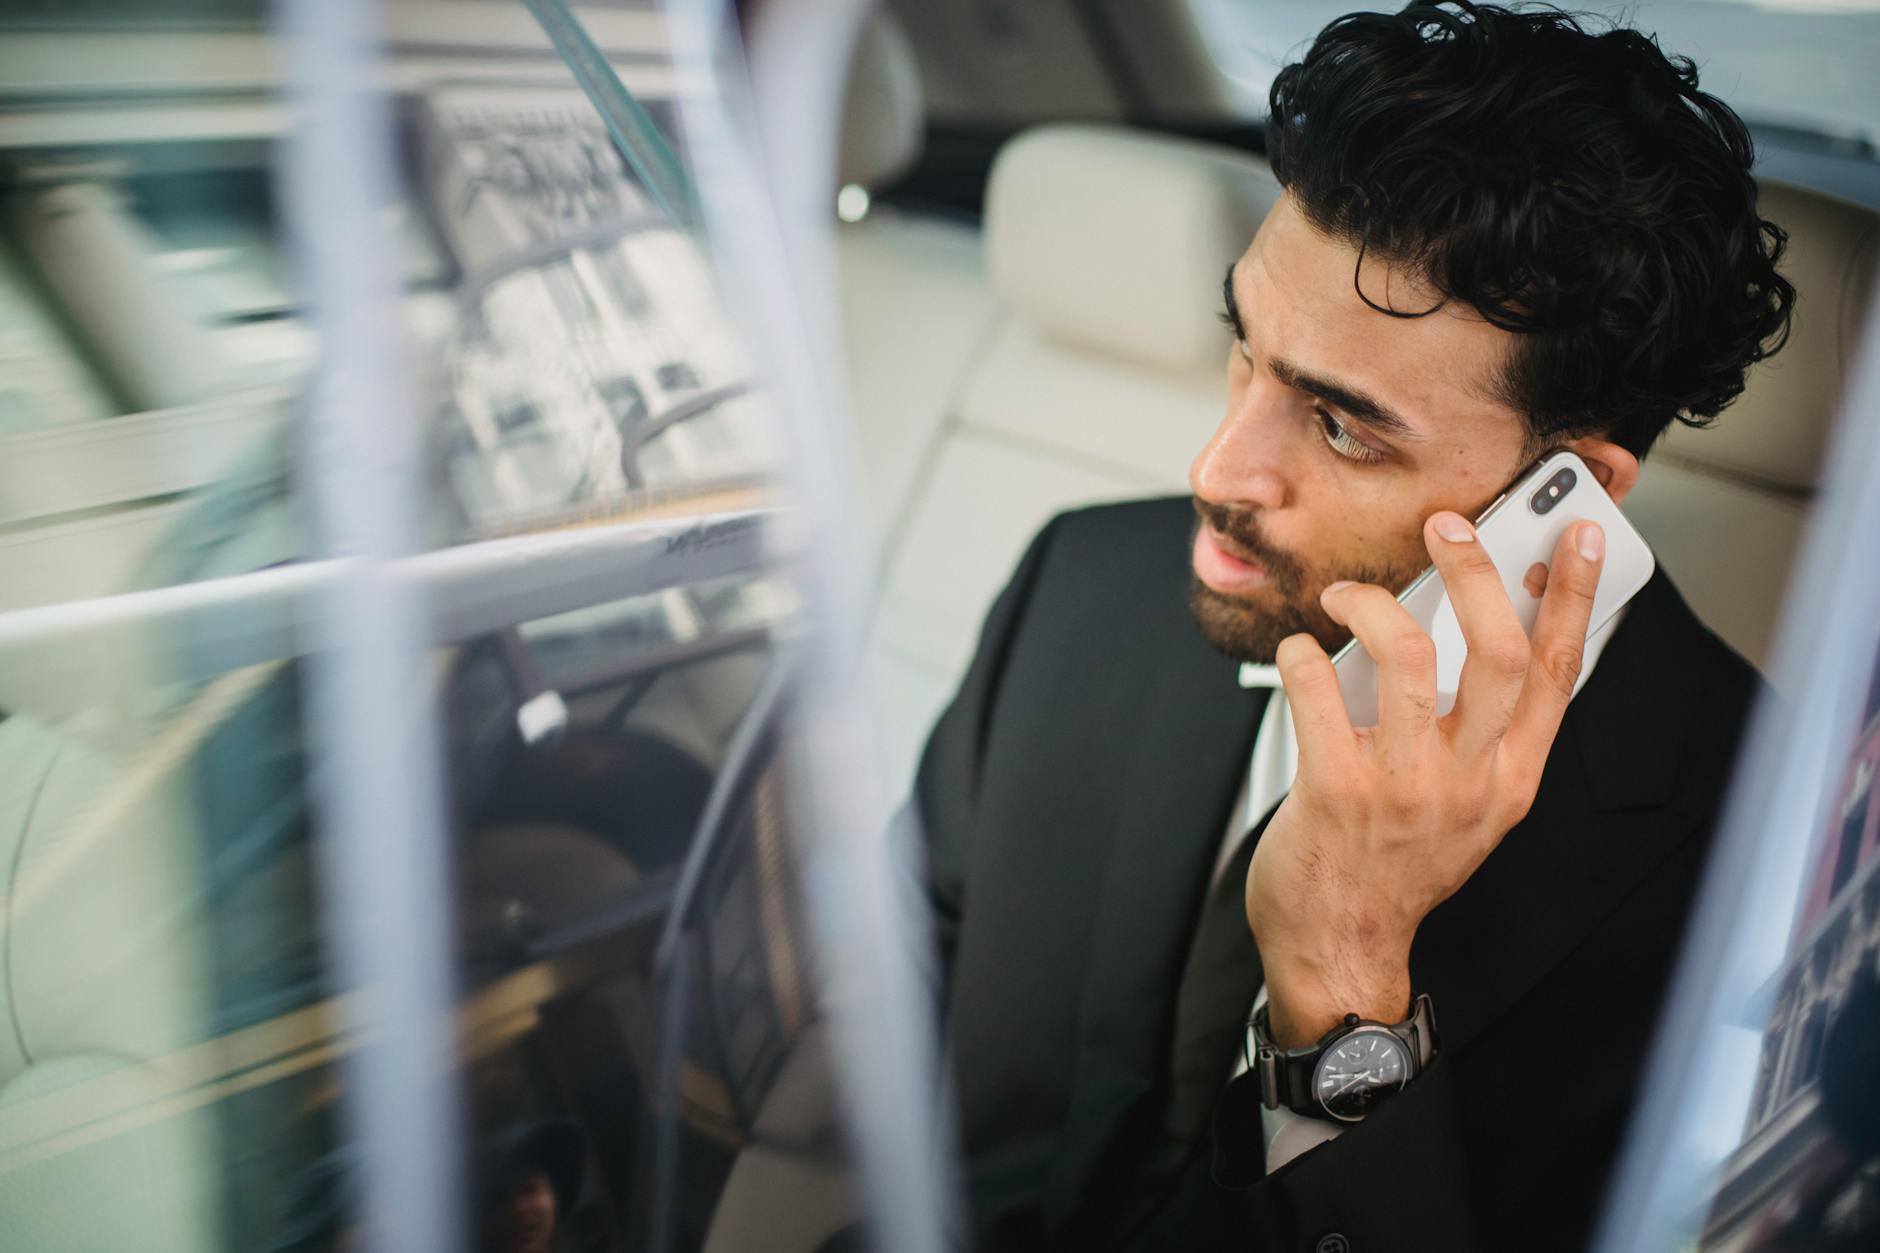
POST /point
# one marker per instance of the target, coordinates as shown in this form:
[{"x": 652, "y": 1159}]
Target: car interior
[
  {"x": 1034, "y": 209},
  {"x": 1061, "y": 350}
]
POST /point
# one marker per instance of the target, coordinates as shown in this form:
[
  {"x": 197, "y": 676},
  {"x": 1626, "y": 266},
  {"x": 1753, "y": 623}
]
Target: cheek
[{"x": 1362, "y": 529}]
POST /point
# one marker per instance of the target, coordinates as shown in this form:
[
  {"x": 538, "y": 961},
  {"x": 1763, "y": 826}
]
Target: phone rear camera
[{"x": 1553, "y": 491}]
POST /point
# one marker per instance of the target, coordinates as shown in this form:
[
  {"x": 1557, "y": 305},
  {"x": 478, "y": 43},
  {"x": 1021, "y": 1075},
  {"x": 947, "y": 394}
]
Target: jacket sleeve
[
  {"x": 1399, "y": 1174},
  {"x": 943, "y": 806},
  {"x": 1508, "y": 1139}
]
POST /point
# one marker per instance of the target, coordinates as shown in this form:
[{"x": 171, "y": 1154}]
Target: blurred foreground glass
[
  {"x": 369, "y": 640},
  {"x": 1761, "y": 1128}
]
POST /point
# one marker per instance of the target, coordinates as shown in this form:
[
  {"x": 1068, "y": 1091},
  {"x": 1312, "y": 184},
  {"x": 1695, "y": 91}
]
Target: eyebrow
[{"x": 1356, "y": 404}]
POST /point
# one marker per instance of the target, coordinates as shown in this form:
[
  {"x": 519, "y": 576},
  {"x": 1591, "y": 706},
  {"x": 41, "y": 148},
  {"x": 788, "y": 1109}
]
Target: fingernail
[
  {"x": 1592, "y": 541},
  {"x": 1332, "y": 587},
  {"x": 1452, "y": 527}
]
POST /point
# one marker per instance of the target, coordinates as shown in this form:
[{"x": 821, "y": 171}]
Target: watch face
[{"x": 1360, "y": 1070}]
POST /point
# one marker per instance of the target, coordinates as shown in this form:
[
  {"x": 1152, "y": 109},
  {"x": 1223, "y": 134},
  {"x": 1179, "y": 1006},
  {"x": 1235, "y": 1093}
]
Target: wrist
[
  {"x": 1302, "y": 1008},
  {"x": 1349, "y": 1070}
]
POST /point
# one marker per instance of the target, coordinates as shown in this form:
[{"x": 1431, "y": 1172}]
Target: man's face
[
  {"x": 1345, "y": 429},
  {"x": 526, "y": 1222}
]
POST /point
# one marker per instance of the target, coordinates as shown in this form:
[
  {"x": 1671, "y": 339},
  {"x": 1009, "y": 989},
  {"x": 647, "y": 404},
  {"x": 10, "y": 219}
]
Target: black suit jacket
[{"x": 1074, "y": 796}]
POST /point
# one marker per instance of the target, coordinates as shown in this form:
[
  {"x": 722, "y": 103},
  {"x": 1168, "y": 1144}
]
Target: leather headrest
[
  {"x": 882, "y": 110},
  {"x": 1116, "y": 241},
  {"x": 1776, "y": 431}
]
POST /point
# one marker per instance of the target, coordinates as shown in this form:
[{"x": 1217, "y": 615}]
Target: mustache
[{"x": 1240, "y": 527}]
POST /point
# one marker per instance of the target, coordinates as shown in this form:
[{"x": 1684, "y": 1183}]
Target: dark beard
[{"x": 1248, "y": 632}]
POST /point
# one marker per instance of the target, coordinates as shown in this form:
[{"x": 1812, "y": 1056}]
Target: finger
[
  {"x": 1404, "y": 653},
  {"x": 1320, "y": 723},
  {"x": 1496, "y": 666},
  {"x": 1559, "y": 637}
]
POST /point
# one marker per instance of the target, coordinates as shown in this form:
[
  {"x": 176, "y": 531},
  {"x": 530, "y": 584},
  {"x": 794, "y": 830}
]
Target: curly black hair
[{"x": 1570, "y": 183}]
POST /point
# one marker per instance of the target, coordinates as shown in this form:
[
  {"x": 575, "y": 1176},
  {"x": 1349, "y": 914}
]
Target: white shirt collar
[{"x": 1253, "y": 674}]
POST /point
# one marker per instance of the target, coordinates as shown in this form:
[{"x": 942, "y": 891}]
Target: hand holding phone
[
  {"x": 1517, "y": 531},
  {"x": 1384, "y": 822}
]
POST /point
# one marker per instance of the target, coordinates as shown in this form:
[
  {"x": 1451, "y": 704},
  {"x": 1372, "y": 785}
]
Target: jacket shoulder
[
  {"x": 1665, "y": 710},
  {"x": 1130, "y": 550}
]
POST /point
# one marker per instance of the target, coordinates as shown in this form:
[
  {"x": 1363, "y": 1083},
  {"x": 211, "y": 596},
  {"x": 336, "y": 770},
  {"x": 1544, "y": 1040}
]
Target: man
[
  {"x": 1501, "y": 234},
  {"x": 528, "y": 1182}
]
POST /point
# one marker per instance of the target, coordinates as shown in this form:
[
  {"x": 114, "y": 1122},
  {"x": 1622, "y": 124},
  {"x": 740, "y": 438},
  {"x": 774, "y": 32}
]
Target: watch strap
[{"x": 1285, "y": 1075}]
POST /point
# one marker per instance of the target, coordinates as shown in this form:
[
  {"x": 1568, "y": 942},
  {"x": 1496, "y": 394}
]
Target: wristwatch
[{"x": 1351, "y": 1070}]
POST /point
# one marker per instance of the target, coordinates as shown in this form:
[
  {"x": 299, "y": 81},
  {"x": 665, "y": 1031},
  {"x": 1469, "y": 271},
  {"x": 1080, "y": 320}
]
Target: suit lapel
[
  {"x": 1169, "y": 806},
  {"x": 1598, "y": 826}
]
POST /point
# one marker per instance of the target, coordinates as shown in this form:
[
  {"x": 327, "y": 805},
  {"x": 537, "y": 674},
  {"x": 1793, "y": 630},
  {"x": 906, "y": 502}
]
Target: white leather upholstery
[
  {"x": 916, "y": 308},
  {"x": 1725, "y": 507},
  {"x": 1094, "y": 371},
  {"x": 1095, "y": 408},
  {"x": 106, "y": 950},
  {"x": 106, "y": 971},
  {"x": 108, "y": 940},
  {"x": 1116, "y": 241},
  {"x": 882, "y": 116},
  {"x": 1728, "y": 546},
  {"x": 105, "y": 1170},
  {"x": 777, "y": 1196},
  {"x": 1775, "y": 432}
]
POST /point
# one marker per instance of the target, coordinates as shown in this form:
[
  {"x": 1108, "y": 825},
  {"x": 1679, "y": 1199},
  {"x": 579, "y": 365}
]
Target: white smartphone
[{"x": 1520, "y": 528}]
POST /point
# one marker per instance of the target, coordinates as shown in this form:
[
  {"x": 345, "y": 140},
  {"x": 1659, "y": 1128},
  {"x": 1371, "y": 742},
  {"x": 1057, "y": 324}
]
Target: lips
[
  {"x": 1233, "y": 549},
  {"x": 1218, "y": 564}
]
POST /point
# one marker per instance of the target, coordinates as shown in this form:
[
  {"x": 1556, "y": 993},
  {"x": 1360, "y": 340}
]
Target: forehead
[{"x": 1439, "y": 372}]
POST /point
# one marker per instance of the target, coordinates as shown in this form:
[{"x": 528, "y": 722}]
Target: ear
[{"x": 1614, "y": 467}]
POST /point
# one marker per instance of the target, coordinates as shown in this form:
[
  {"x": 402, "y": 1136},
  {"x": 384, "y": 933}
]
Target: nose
[{"x": 1240, "y": 465}]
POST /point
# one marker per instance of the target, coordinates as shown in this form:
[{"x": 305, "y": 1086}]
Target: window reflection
[
  {"x": 177, "y": 1040},
  {"x": 1803, "y": 1176}
]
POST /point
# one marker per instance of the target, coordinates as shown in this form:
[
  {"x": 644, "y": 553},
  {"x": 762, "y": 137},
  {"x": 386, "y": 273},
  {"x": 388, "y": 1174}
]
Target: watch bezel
[{"x": 1328, "y": 1049}]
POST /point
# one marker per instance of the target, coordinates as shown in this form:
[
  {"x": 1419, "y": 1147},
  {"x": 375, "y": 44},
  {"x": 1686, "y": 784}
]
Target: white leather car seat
[
  {"x": 1101, "y": 375},
  {"x": 1073, "y": 356},
  {"x": 1725, "y": 508},
  {"x": 913, "y": 295},
  {"x": 1097, "y": 376},
  {"x": 108, "y": 1125}
]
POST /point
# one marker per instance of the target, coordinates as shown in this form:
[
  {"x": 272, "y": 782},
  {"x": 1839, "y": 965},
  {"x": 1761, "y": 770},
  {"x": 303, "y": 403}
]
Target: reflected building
[
  {"x": 176, "y": 1036},
  {"x": 590, "y": 362},
  {"x": 1790, "y": 1173}
]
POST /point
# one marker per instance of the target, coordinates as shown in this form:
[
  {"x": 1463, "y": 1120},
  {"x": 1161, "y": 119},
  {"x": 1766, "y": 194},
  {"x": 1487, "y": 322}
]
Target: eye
[{"x": 1343, "y": 442}]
